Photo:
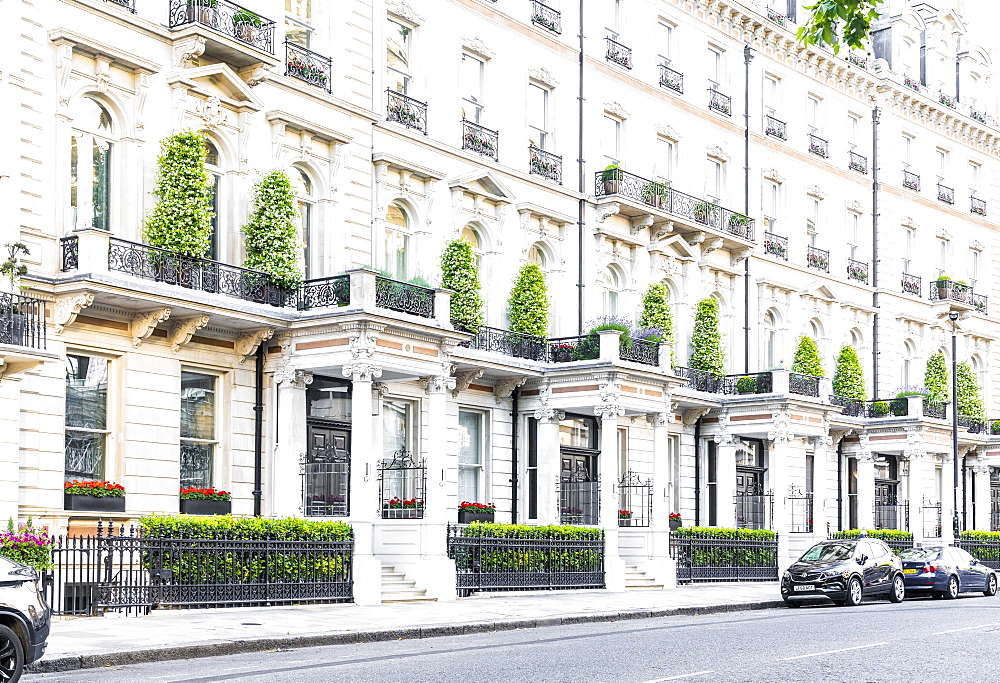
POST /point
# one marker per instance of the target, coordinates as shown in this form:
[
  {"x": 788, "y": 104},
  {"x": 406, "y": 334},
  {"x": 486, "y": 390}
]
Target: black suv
[
  {"x": 844, "y": 571},
  {"x": 24, "y": 619}
]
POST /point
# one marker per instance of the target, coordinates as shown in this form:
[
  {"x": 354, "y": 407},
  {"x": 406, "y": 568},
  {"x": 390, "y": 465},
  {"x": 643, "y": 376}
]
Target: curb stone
[{"x": 231, "y": 647}]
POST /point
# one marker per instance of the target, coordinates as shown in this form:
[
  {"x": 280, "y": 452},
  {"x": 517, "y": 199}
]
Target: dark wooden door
[{"x": 326, "y": 472}]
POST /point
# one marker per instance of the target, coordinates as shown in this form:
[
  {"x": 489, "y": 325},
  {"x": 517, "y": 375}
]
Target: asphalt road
[{"x": 918, "y": 640}]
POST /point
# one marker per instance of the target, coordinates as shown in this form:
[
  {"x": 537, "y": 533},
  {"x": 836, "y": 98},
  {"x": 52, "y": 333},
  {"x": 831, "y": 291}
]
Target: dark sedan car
[
  {"x": 844, "y": 571},
  {"x": 945, "y": 572},
  {"x": 24, "y": 619}
]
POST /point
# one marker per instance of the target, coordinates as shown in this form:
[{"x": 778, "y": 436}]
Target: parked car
[
  {"x": 24, "y": 619},
  {"x": 945, "y": 572},
  {"x": 844, "y": 571}
]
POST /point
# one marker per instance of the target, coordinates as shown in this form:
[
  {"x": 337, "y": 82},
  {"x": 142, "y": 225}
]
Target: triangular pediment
[
  {"x": 483, "y": 183},
  {"x": 674, "y": 246},
  {"x": 221, "y": 81},
  {"x": 820, "y": 290}
]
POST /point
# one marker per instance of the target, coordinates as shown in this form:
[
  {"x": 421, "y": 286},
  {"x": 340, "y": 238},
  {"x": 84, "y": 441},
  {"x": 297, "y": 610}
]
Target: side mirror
[{"x": 862, "y": 559}]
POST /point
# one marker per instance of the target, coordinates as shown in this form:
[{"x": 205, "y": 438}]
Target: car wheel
[
  {"x": 898, "y": 590},
  {"x": 951, "y": 592},
  {"x": 853, "y": 592},
  {"x": 11, "y": 656},
  {"x": 991, "y": 586}
]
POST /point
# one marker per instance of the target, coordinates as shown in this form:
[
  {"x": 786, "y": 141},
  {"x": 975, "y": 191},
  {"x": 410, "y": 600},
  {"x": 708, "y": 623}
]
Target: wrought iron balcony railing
[
  {"x": 946, "y": 99},
  {"x": 775, "y": 128},
  {"x": 977, "y": 115},
  {"x": 406, "y": 111},
  {"x": 227, "y": 18},
  {"x": 616, "y": 181},
  {"x": 818, "y": 259},
  {"x": 719, "y": 102},
  {"x": 851, "y": 407},
  {"x": 977, "y": 206},
  {"x": 979, "y": 302},
  {"x": 854, "y": 59},
  {"x": 946, "y": 194},
  {"x": 639, "y": 351},
  {"x": 819, "y": 146},
  {"x": 22, "y": 321},
  {"x": 912, "y": 83},
  {"x": 618, "y": 53},
  {"x": 70, "y": 250},
  {"x": 127, "y": 4},
  {"x": 936, "y": 409},
  {"x": 911, "y": 181},
  {"x": 857, "y": 270},
  {"x": 974, "y": 425},
  {"x": 779, "y": 19},
  {"x": 803, "y": 385},
  {"x": 480, "y": 139},
  {"x": 699, "y": 380},
  {"x": 671, "y": 78},
  {"x": 546, "y": 17},
  {"x": 857, "y": 162},
  {"x": 507, "y": 343},
  {"x": 567, "y": 349},
  {"x": 776, "y": 245},
  {"x": 325, "y": 292},
  {"x": 750, "y": 383},
  {"x": 307, "y": 66},
  {"x": 404, "y": 297},
  {"x": 892, "y": 407},
  {"x": 948, "y": 290},
  {"x": 911, "y": 284},
  {"x": 545, "y": 164}
]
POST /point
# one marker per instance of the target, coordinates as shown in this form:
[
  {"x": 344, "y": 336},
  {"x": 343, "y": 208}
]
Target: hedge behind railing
[
  {"x": 554, "y": 531},
  {"x": 243, "y": 528},
  {"x": 522, "y": 548},
  {"x": 881, "y": 534},
  {"x": 983, "y": 545},
  {"x": 723, "y": 533}
]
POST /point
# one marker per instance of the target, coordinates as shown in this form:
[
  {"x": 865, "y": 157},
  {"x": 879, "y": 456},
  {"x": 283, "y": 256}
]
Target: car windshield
[
  {"x": 829, "y": 551},
  {"x": 920, "y": 554}
]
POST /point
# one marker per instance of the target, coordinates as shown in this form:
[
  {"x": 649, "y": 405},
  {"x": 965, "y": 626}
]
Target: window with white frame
[
  {"x": 907, "y": 150},
  {"x": 612, "y": 290},
  {"x": 614, "y": 19},
  {"x": 622, "y": 451},
  {"x": 536, "y": 255},
  {"x": 853, "y": 224},
  {"x": 716, "y": 73},
  {"x": 398, "y": 41},
  {"x": 772, "y": 95},
  {"x": 213, "y": 162},
  {"x": 397, "y": 242},
  {"x": 611, "y": 140},
  {"x": 853, "y": 130},
  {"x": 303, "y": 187},
  {"x": 665, "y": 42},
  {"x": 674, "y": 483},
  {"x": 470, "y": 233},
  {"x": 907, "y": 367},
  {"x": 666, "y": 159},
  {"x": 944, "y": 163},
  {"x": 471, "y": 79},
  {"x": 298, "y": 22},
  {"x": 714, "y": 179},
  {"x": 538, "y": 116},
  {"x": 770, "y": 334},
  {"x": 973, "y": 267},
  {"x": 397, "y": 427},
  {"x": 812, "y": 223},
  {"x": 471, "y": 456},
  {"x": 198, "y": 429},
  {"x": 86, "y": 417},
  {"x": 942, "y": 257},
  {"x": 909, "y": 241},
  {"x": 771, "y": 197},
  {"x": 975, "y": 171},
  {"x": 92, "y": 142},
  {"x": 813, "y": 118}
]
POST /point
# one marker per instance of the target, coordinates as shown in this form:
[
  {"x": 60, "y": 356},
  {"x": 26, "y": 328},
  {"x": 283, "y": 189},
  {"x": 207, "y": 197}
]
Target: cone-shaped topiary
[
  {"x": 656, "y": 312},
  {"x": 848, "y": 376},
  {"x": 459, "y": 274},
  {"x": 936, "y": 379},
  {"x": 271, "y": 238},
  {"x": 807, "y": 360},
  {"x": 182, "y": 220},
  {"x": 970, "y": 402},
  {"x": 528, "y": 305},
  {"x": 707, "y": 353}
]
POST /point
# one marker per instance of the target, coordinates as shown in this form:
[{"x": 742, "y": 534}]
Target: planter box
[
  {"x": 675, "y": 524},
  {"x": 469, "y": 517},
  {"x": 624, "y": 522},
  {"x": 93, "y": 503},
  {"x": 206, "y": 507}
]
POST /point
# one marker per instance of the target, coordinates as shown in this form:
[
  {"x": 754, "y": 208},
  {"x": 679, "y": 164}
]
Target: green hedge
[
  {"x": 243, "y": 528},
  {"x": 727, "y": 554},
  {"x": 554, "y": 531},
  {"x": 523, "y": 557},
  {"x": 988, "y": 546},
  {"x": 722, "y": 532}
]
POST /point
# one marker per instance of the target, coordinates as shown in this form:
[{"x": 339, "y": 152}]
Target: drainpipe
[
  {"x": 697, "y": 472},
  {"x": 258, "y": 430},
  {"x": 747, "y": 57},
  {"x": 581, "y": 186},
  {"x": 840, "y": 485},
  {"x": 875, "y": 305},
  {"x": 513, "y": 455}
]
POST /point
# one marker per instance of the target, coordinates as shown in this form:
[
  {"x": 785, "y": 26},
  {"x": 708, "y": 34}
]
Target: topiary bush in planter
[
  {"x": 181, "y": 221},
  {"x": 270, "y": 236},
  {"x": 656, "y": 312},
  {"x": 807, "y": 360},
  {"x": 459, "y": 274},
  {"x": 848, "y": 376},
  {"x": 879, "y": 409},
  {"x": 936, "y": 379},
  {"x": 970, "y": 401},
  {"x": 707, "y": 353},
  {"x": 528, "y": 304}
]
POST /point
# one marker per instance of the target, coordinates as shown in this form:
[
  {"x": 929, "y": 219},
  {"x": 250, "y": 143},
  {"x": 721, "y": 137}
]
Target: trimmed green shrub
[
  {"x": 656, "y": 313},
  {"x": 528, "y": 305},
  {"x": 936, "y": 379},
  {"x": 555, "y": 531},
  {"x": 880, "y": 408},
  {"x": 28, "y": 545},
  {"x": 243, "y": 528},
  {"x": 988, "y": 549},
  {"x": 520, "y": 558},
  {"x": 970, "y": 402},
  {"x": 746, "y": 385},
  {"x": 182, "y": 220},
  {"x": 271, "y": 238},
  {"x": 725, "y": 555},
  {"x": 707, "y": 353},
  {"x": 459, "y": 274},
  {"x": 849, "y": 377},
  {"x": 807, "y": 360},
  {"x": 881, "y": 534},
  {"x": 723, "y": 532}
]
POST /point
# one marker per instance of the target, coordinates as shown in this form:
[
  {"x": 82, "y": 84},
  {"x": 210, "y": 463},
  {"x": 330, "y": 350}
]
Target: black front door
[
  {"x": 578, "y": 498},
  {"x": 888, "y": 514},
  {"x": 326, "y": 472},
  {"x": 751, "y": 503}
]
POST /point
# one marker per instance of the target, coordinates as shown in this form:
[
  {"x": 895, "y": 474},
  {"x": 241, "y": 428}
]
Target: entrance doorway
[{"x": 326, "y": 473}]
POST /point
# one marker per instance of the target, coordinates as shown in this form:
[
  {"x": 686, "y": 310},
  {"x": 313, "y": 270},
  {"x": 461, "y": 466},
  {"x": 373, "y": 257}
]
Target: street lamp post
[{"x": 953, "y": 316}]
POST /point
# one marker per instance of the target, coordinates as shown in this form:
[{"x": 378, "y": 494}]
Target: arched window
[
  {"x": 303, "y": 186},
  {"x": 471, "y": 235},
  {"x": 770, "y": 340},
  {"x": 397, "y": 241},
  {"x": 908, "y": 374},
  {"x": 979, "y": 370},
  {"x": 91, "y": 145},
  {"x": 612, "y": 289},
  {"x": 537, "y": 256},
  {"x": 215, "y": 178}
]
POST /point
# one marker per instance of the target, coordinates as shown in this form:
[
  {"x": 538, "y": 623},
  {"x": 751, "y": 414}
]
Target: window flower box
[
  {"x": 475, "y": 512},
  {"x": 675, "y": 520},
  {"x": 195, "y": 501},
  {"x": 93, "y": 496},
  {"x": 624, "y": 518}
]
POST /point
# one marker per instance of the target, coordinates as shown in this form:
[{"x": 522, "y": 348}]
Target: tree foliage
[
  {"x": 528, "y": 305},
  {"x": 807, "y": 360},
  {"x": 270, "y": 235},
  {"x": 936, "y": 379},
  {"x": 970, "y": 400},
  {"x": 849, "y": 376},
  {"x": 834, "y": 23},
  {"x": 181, "y": 221},
  {"x": 707, "y": 353},
  {"x": 656, "y": 312},
  {"x": 460, "y": 274}
]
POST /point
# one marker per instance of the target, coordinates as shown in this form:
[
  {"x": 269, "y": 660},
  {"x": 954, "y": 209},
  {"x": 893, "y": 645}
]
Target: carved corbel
[
  {"x": 505, "y": 386},
  {"x": 256, "y": 74},
  {"x": 691, "y": 415},
  {"x": 68, "y": 307},
  {"x": 640, "y": 222},
  {"x": 463, "y": 379},
  {"x": 187, "y": 50},
  {"x": 740, "y": 256},
  {"x": 658, "y": 419},
  {"x": 606, "y": 210},
  {"x": 143, "y": 324},
  {"x": 246, "y": 345},
  {"x": 436, "y": 384},
  {"x": 182, "y": 331},
  {"x": 712, "y": 246}
]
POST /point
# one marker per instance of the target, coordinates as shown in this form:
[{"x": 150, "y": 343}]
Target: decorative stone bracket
[
  {"x": 143, "y": 324},
  {"x": 505, "y": 386},
  {"x": 182, "y": 331},
  {"x": 246, "y": 345},
  {"x": 68, "y": 307},
  {"x": 463, "y": 379}
]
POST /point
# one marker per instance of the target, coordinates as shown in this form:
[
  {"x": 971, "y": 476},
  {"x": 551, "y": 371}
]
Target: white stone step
[{"x": 397, "y": 588}]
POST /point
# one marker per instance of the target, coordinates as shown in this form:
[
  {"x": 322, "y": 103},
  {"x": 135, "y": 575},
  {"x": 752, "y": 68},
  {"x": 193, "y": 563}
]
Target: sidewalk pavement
[{"x": 88, "y": 642}]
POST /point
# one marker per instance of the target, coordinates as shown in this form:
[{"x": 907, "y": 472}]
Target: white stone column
[
  {"x": 777, "y": 466},
  {"x": 982, "y": 517},
  {"x": 866, "y": 490},
  {"x": 10, "y": 437},
  {"x": 292, "y": 445},
  {"x": 662, "y": 568},
  {"x": 725, "y": 480},
  {"x": 548, "y": 464},
  {"x": 364, "y": 483},
  {"x": 822, "y": 446},
  {"x": 614, "y": 566}
]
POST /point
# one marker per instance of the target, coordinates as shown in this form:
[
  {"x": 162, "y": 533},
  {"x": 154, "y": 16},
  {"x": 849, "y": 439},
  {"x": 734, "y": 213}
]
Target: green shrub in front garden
[
  {"x": 988, "y": 547},
  {"x": 521, "y": 556},
  {"x": 743, "y": 553},
  {"x": 888, "y": 535}
]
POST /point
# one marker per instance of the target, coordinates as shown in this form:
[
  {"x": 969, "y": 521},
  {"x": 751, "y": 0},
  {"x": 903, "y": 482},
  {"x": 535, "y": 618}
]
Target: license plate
[
  {"x": 808, "y": 587},
  {"x": 909, "y": 571}
]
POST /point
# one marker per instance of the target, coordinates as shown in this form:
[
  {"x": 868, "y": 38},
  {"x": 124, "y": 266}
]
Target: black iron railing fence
[
  {"x": 888, "y": 407},
  {"x": 911, "y": 284},
  {"x": 977, "y": 206},
  {"x": 719, "y": 102},
  {"x": 485, "y": 561},
  {"x": 857, "y": 162},
  {"x": 671, "y": 78},
  {"x": 818, "y": 258},
  {"x": 776, "y": 245},
  {"x": 120, "y": 570},
  {"x": 70, "y": 249},
  {"x": 480, "y": 139},
  {"x": 402, "y": 486},
  {"x": 579, "y": 501},
  {"x": 545, "y": 164},
  {"x": 936, "y": 409},
  {"x": 703, "y": 560},
  {"x": 911, "y": 181},
  {"x": 851, "y": 407},
  {"x": 567, "y": 349},
  {"x": 127, "y": 4},
  {"x": 931, "y": 515},
  {"x": 404, "y": 297},
  {"x": 803, "y": 385},
  {"x": 751, "y": 383},
  {"x": 892, "y": 516},
  {"x": 946, "y": 194},
  {"x": 800, "y": 512},
  {"x": 819, "y": 146},
  {"x": 22, "y": 321},
  {"x": 699, "y": 380},
  {"x": 639, "y": 351},
  {"x": 974, "y": 425},
  {"x": 857, "y": 270},
  {"x": 507, "y": 343},
  {"x": 308, "y": 66},
  {"x": 324, "y": 292},
  {"x": 546, "y": 17},
  {"x": 406, "y": 111},
  {"x": 227, "y": 18},
  {"x": 618, "y": 53},
  {"x": 776, "y": 128},
  {"x": 635, "y": 500},
  {"x": 754, "y": 510},
  {"x": 986, "y": 551}
]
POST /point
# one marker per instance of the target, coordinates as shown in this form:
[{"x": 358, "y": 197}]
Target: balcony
[
  {"x": 818, "y": 259},
  {"x": 617, "y": 182},
  {"x": 911, "y": 284},
  {"x": 819, "y": 146},
  {"x": 719, "y": 102},
  {"x": 911, "y": 181},
  {"x": 882, "y": 408},
  {"x": 307, "y": 66},
  {"x": 946, "y": 194},
  {"x": 22, "y": 322},
  {"x": 911, "y": 83},
  {"x": 546, "y": 17},
  {"x": 958, "y": 293},
  {"x": 226, "y": 18},
  {"x": 979, "y": 116},
  {"x": 545, "y": 164},
  {"x": 977, "y": 206},
  {"x": 775, "y": 128},
  {"x": 618, "y": 53},
  {"x": 669, "y": 78},
  {"x": 480, "y": 139},
  {"x": 127, "y": 4},
  {"x": 406, "y": 111},
  {"x": 857, "y": 270},
  {"x": 776, "y": 245},
  {"x": 861, "y": 62},
  {"x": 325, "y": 292},
  {"x": 779, "y": 19},
  {"x": 507, "y": 343},
  {"x": 946, "y": 99},
  {"x": 856, "y": 162}
]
